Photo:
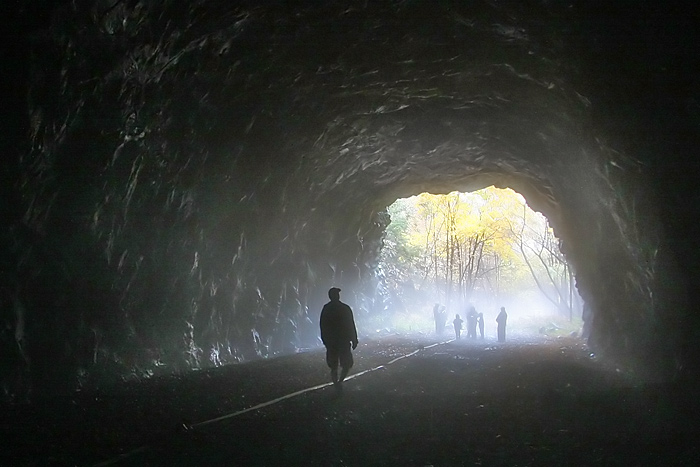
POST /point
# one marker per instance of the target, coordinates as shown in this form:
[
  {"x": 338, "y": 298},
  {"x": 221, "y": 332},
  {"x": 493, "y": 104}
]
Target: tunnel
[{"x": 192, "y": 180}]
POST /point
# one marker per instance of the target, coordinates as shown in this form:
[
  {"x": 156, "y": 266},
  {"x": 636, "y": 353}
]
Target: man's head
[{"x": 334, "y": 293}]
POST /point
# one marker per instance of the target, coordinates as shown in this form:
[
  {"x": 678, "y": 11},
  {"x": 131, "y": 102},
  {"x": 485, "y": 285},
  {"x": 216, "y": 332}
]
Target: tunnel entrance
[
  {"x": 192, "y": 188},
  {"x": 485, "y": 249}
]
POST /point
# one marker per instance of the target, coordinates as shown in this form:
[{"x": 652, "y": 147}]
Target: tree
[
  {"x": 399, "y": 256},
  {"x": 456, "y": 245},
  {"x": 464, "y": 240},
  {"x": 550, "y": 270}
]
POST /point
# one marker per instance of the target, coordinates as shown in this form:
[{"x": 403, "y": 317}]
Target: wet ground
[{"x": 526, "y": 402}]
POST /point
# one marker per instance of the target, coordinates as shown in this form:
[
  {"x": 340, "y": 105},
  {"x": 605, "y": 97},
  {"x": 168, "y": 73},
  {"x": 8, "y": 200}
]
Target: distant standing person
[
  {"x": 338, "y": 334},
  {"x": 440, "y": 318},
  {"x": 458, "y": 326},
  {"x": 471, "y": 323},
  {"x": 480, "y": 320},
  {"x": 443, "y": 318},
  {"x": 436, "y": 316},
  {"x": 501, "y": 320}
]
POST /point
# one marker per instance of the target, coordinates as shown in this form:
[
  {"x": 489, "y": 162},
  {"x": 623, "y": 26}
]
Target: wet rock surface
[{"x": 526, "y": 402}]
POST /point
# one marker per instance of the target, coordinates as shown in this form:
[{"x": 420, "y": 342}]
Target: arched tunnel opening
[
  {"x": 190, "y": 181},
  {"x": 188, "y": 192}
]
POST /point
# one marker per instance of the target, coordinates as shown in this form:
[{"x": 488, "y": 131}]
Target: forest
[{"x": 486, "y": 249}]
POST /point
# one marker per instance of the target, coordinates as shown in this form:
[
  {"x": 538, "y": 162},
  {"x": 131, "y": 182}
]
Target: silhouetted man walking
[{"x": 338, "y": 333}]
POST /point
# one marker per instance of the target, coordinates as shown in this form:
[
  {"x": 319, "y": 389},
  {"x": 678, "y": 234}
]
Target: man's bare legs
[{"x": 343, "y": 373}]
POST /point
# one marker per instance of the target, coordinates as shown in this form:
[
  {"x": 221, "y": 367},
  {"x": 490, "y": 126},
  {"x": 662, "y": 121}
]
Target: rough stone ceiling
[{"x": 200, "y": 173}]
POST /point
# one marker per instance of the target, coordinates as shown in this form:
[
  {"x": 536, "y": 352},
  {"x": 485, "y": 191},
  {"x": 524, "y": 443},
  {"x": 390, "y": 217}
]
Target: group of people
[
  {"x": 339, "y": 334},
  {"x": 475, "y": 319}
]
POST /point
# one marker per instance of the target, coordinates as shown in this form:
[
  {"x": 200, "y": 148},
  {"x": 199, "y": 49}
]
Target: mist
[{"x": 486, "y": 222}]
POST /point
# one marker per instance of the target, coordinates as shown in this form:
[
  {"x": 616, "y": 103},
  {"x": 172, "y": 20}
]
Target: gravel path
[{"x": 456, "y": 403}]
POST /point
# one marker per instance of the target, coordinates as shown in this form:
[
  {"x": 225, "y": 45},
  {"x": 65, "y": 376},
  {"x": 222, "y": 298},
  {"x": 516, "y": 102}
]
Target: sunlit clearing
[{"x": 486, "y": 249}]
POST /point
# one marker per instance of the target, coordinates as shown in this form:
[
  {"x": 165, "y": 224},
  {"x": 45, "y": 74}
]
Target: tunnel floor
[{"x": 526, "y": 402}]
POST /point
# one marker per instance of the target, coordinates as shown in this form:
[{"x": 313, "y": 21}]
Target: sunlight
[{"x": 485, "y": 249}]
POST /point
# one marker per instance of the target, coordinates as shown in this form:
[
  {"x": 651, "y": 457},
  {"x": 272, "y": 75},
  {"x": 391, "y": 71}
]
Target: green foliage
[
  {"x": 399, "y": 253},
  {"x": 451, "y": 247}
]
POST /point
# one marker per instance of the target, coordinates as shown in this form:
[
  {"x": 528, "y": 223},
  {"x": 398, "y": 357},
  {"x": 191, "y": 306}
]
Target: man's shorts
[{"x": 339, "y": 353}]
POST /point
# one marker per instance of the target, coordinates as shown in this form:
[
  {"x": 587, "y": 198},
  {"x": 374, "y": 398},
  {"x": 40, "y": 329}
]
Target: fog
[
  {"x": 511, "y": 283},
  {"x": 530, "y": 316}
]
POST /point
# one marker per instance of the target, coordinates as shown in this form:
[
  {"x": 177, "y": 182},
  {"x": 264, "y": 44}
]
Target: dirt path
[{"x": 459, "y": 403}]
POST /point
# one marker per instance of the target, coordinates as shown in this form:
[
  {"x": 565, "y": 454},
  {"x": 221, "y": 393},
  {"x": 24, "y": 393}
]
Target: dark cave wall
[{"x": 200, "y": 176}]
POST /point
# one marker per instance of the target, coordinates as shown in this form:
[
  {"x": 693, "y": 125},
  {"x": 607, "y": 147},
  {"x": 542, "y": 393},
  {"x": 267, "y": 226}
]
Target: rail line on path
[{"x": 193, "y": 426}]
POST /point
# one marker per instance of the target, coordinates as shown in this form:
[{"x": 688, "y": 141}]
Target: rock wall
[{"x": 199, "y": 176}]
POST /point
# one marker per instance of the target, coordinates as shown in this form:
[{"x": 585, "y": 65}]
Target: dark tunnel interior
[{"x": 187, "y": 182}]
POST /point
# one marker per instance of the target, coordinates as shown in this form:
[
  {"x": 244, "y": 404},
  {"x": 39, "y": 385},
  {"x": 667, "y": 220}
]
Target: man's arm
[
  {"x": 323, "y": 325},
  {"x": 353, "y": 329}
]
